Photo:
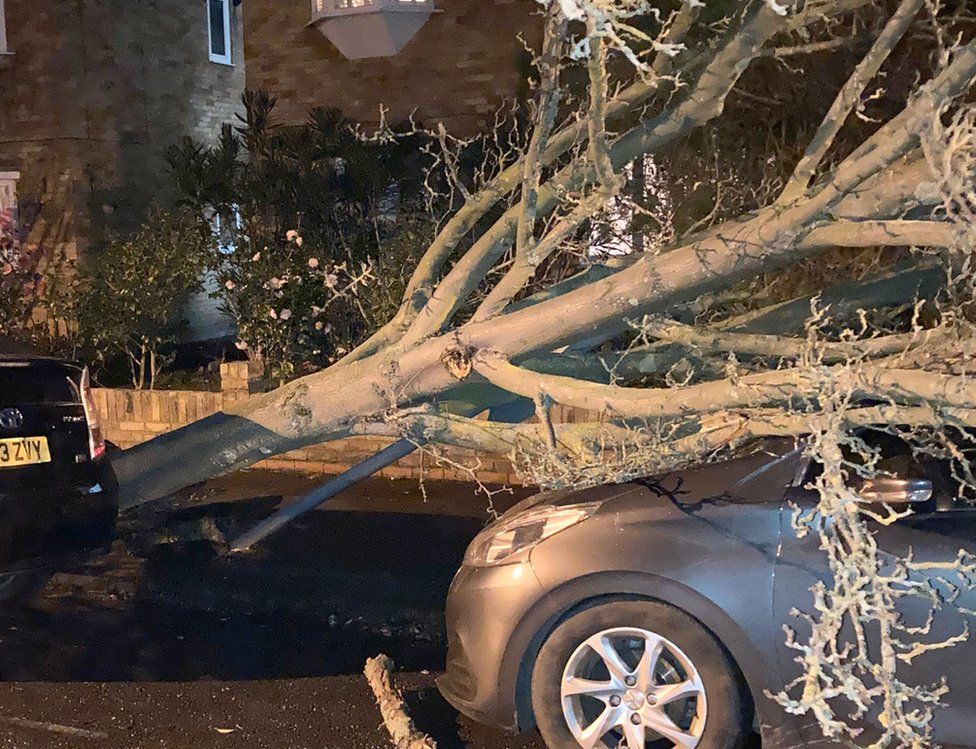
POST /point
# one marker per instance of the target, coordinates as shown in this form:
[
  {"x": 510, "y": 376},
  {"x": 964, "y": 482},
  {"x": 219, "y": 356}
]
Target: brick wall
[
  {"x": 90, "y": 96},
  {"x": 133, "y": 416},
  {"x": 461, "y": 66}
]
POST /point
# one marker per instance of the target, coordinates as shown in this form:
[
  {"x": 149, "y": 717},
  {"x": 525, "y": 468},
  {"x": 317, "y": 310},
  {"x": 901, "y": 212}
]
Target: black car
[
  {"x": 57, "y": 489},
  {"x": 651, "y": 614}
]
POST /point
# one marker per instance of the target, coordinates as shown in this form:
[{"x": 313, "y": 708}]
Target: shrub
[
  {"x": 130, "y": 294},
  {"x": 315, "y": 224},
  {"x": 283, "y": 298},
  {"x": 20, "y": 281}
]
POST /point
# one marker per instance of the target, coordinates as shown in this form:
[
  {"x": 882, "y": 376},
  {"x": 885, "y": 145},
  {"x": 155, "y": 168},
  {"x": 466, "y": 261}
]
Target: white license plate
[{"x": 24, "y": 451}]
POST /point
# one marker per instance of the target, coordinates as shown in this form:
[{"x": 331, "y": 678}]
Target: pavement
[{"x": 166, "y": 641}]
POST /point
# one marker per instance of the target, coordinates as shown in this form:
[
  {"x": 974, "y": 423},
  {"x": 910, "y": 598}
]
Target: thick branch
[
  {"x": 703, "y": 435},
  {"x": 842, "y": 301},
  {"x": 849, "y": 97},
  {"x": 887, "y": 234},
  {"x": 772, "y": 237},
  {"x": 824, "y": 11},
  {"x": 907, "y": 387},
  {"x": 711, "y": 341}
]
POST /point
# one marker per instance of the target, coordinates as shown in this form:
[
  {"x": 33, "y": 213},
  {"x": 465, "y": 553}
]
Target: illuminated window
[
  {"x": 218, "y": 28},
  {"x": 370, "y": 28},
  {"x": 323, "y": 6}
]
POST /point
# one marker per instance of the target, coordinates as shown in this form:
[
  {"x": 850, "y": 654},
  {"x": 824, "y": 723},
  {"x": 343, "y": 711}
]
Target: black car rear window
[{"x": 35, "y": 384}]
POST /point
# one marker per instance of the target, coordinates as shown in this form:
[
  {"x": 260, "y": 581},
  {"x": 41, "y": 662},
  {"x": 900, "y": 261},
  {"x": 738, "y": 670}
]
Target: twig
[{"x": 53, "y": 728}]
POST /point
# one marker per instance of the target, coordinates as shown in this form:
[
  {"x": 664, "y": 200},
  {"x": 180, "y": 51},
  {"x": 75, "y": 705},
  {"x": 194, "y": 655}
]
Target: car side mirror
[{"x": 895, "y": 491}]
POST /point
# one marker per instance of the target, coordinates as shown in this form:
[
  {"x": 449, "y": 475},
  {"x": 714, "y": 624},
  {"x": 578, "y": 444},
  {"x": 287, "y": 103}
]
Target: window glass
[
  {"x": 218, "y": 17},
  {"x": 3, "y": 30}
]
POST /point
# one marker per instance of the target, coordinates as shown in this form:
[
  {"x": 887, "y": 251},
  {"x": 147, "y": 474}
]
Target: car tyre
[{"x": 727, "y": 722}]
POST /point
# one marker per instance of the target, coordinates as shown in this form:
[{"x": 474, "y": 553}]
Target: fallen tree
[
  {"x": 648, "y": 338},
  {"x": 570, "y": 170}
]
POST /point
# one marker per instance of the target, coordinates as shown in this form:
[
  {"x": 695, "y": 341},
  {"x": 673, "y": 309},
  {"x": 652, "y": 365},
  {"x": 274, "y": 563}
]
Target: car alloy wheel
[{"x": 632, "y": 686}]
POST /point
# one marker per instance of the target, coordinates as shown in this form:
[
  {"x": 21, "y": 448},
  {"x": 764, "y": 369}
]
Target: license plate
[{"x": 24, "y": 451}]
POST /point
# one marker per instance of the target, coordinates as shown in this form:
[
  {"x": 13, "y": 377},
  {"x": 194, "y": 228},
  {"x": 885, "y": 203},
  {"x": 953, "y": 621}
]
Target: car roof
[{"x": 12, "y": 350}]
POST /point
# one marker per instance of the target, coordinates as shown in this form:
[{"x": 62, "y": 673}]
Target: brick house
[
  {"x": 93, "y": 91},
  {"x": 459, "y": 68}
]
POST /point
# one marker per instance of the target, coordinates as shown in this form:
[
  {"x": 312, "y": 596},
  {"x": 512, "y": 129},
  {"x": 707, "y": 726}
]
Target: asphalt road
[{"x": 164, "y": 641}]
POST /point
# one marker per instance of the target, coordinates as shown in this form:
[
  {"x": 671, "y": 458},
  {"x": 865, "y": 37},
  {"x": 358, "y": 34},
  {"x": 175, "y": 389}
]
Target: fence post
[{"x": 239, "y": 380}]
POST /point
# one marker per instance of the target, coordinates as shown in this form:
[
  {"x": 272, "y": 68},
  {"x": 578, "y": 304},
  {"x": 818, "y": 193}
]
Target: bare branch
[
  {"x": 741, "y": 344},
  {"x": 882, "y": 379},
  {"x": 547, "y": 110},
  {"x": 886, "y": 234},
  {"x": 849, "y": 97},
  {"x": 702, "y": 104}
]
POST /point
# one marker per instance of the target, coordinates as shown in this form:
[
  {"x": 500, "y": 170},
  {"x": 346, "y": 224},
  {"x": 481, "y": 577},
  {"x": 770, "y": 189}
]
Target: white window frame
[
  {"x": 225, "y": 241},
  {"x": 228, "y": 57},
  {"x": 8, "y": 185},
  {"x": 4, "y": 50}
]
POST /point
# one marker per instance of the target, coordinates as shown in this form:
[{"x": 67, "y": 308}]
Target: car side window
[{"x": 896, "y": 458}]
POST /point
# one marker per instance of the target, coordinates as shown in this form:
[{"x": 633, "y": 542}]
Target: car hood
[
  {"x": 761, "y": 475},
  {"x": 561, "y": 497}
]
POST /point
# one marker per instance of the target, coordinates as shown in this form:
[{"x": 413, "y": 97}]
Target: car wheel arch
[{"x": 592, "y": 590}]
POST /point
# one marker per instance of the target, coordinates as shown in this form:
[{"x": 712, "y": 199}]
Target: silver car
[{"x": 651, "y": 614}]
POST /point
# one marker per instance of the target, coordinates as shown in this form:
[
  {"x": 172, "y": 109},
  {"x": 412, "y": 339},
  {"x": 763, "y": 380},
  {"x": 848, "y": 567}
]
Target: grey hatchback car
[{"x": 651, "y": 614}]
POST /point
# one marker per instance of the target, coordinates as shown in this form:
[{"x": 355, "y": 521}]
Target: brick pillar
[{"x": 240, "y": 379}]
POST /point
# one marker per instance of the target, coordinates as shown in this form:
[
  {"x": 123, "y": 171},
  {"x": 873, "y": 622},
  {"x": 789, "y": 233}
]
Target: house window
[
  {"x": 8, "y": 189},
  {"x": 3, "y": 31},
  {"x": 225, "y": 227},
  {"x": 218, "y": 26}
]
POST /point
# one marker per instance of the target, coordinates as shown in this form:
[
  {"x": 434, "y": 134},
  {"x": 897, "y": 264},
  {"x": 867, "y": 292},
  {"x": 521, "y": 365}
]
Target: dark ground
[{"x": 165, "y": 642}]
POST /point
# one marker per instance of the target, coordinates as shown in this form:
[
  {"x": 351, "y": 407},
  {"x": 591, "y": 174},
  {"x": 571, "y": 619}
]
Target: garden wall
[{"x": 133, "y": 416}]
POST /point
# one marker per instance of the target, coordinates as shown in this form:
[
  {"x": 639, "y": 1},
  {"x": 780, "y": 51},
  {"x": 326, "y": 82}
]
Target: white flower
[
  {"x": 313, "y": 262},
  {"x": 230, "y": 284},
  {"x": 572, "y": 10},
  {"x": 319, "y": 325},
  {"x": 290, "y": 236},
  {"x": 257, "y": 256},
  {"x": 285, "y": 314},
  {"x": 299, "y": 241},
  {"x": 276, "y": 283},
  {"x": 331, "y": 281},
  {"x": 272, "y": 314}
]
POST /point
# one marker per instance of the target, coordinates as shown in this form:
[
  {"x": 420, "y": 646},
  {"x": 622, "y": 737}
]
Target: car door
[
  {"x": 931, "y": 536},
  {"x": 938, "y": 536}
]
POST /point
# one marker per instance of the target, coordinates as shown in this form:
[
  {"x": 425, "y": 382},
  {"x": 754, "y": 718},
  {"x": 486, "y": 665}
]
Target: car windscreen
[{"x": 31, "y": 383}]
